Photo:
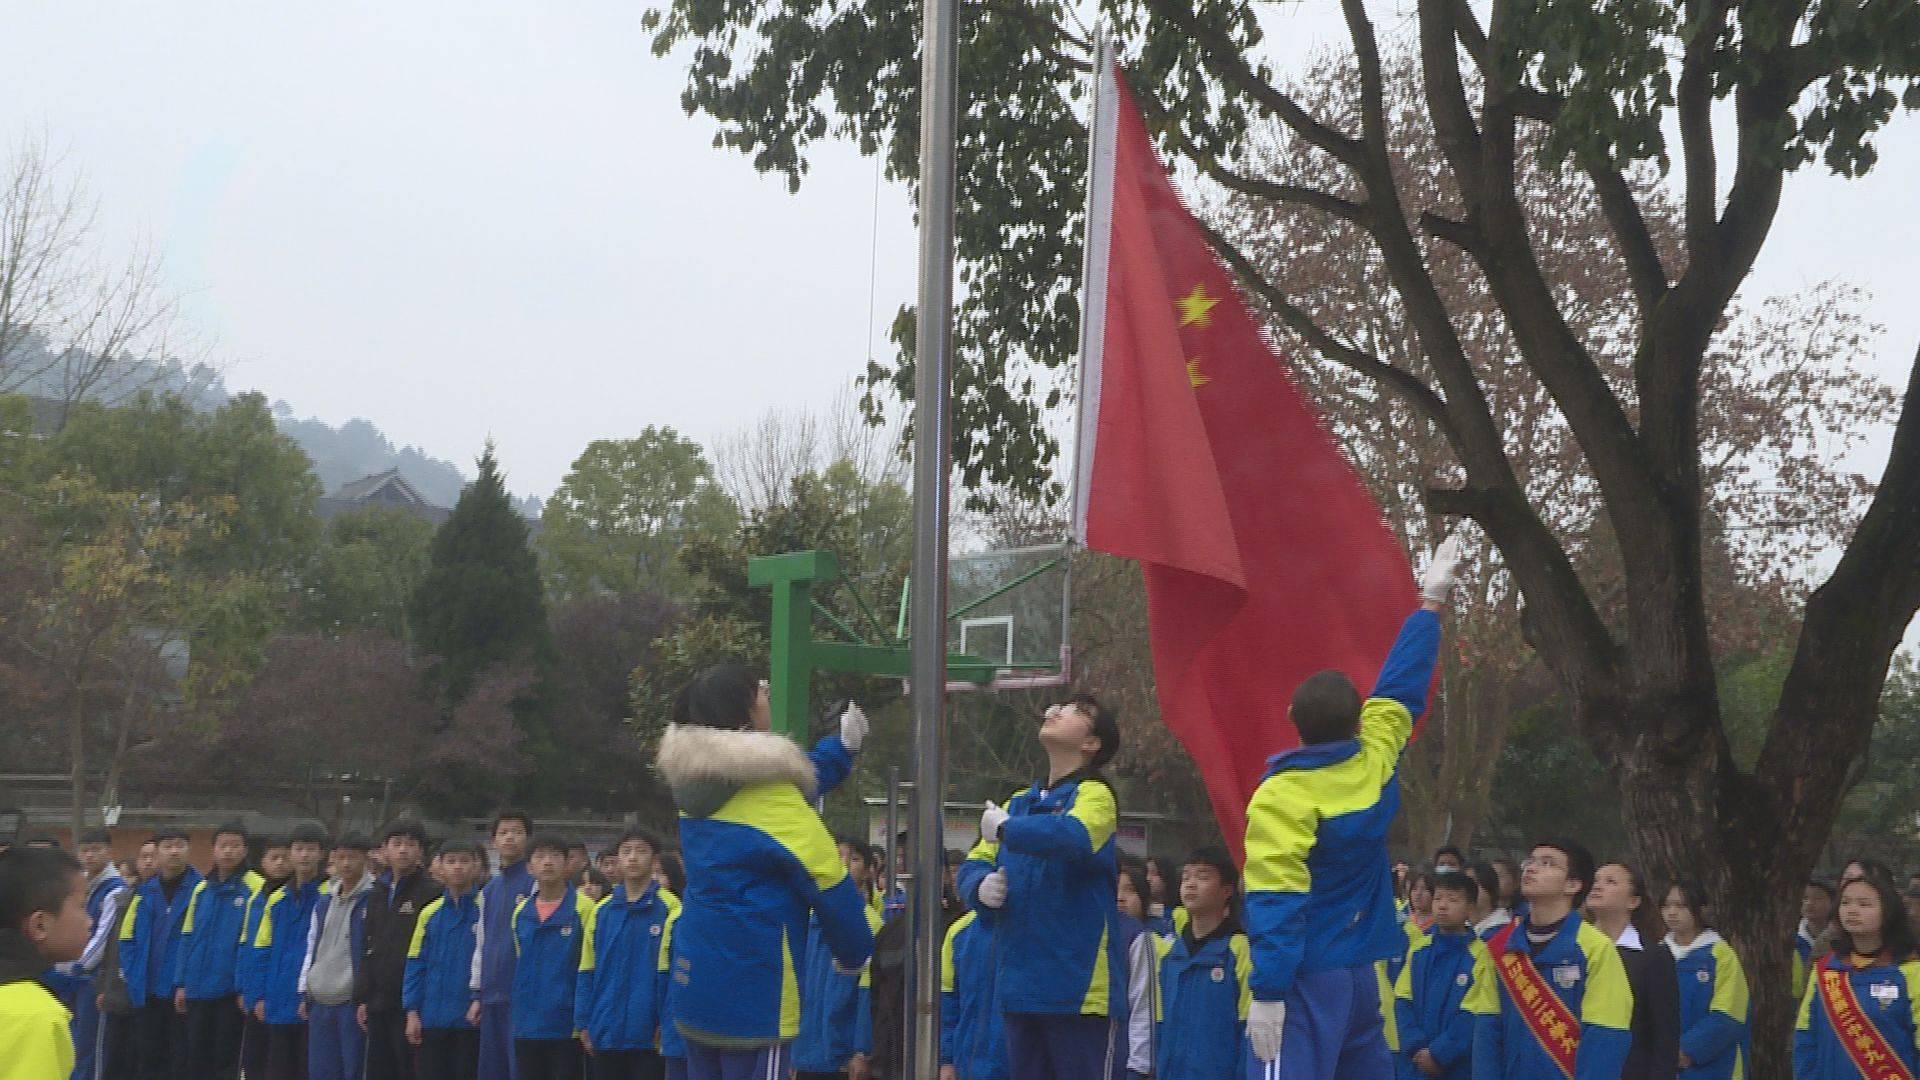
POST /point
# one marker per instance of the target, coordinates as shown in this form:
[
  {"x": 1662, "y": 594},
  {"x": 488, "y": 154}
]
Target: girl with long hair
[
  {"x": 1867, "y": 984},
  {"x": 1714, "y": 1004}
]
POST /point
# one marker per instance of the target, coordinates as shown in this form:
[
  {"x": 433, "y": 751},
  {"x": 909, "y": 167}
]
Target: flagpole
[
  {"x": 933, "y": 421},
  {"x": 1096, "y": 239}
]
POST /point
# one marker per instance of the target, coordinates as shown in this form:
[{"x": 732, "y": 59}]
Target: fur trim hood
[{"x": 705, "y": 766}]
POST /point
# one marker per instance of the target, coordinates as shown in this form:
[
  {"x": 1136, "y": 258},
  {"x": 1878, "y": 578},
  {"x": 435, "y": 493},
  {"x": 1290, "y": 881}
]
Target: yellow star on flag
[
  {"x": 1194, "y": 375},
  {"x": 1196, "y": 307}
]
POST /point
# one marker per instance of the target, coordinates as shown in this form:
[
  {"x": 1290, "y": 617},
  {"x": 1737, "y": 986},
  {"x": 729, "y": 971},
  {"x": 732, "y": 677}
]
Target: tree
[
  {"x": 480, "y": 605},
  {"x": 601, "y": 762},
  {"x": 72, "y": 327},
  {"x": 364, "y": 574},
  {"x": 624, "y": 508},
  {"x": 1805, "y": 79}
]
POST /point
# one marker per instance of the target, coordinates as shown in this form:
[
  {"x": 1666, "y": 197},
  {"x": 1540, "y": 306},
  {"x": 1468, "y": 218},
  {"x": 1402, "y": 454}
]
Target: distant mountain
[{"x": 352, "y": 451}]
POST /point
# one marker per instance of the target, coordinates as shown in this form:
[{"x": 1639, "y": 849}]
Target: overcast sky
[{"x": 485, "y": 218}]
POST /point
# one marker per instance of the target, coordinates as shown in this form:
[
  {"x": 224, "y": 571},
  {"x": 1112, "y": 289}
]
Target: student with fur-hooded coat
[{"x": 758, "y": 861}]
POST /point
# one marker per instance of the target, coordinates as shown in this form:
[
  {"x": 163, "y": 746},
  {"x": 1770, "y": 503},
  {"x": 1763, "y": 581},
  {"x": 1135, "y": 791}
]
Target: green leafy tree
[
  {"x": 625, "y": 508},
  {"x": 1799, "y": 81},
  {"x": 364, "y": 574}
]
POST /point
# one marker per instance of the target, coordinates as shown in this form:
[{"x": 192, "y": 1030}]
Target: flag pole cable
[{"x": 927, "y": 619}]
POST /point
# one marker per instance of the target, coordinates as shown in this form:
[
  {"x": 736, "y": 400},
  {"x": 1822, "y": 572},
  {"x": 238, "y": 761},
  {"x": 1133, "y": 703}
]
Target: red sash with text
[
  {"x": 1553, "y": 1025},
  {"x": 1853, "y": 1030}
]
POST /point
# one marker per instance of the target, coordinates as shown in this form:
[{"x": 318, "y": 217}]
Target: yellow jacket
[{"x": 33, "y": 1029}]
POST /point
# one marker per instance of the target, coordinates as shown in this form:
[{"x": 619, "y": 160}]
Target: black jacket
[
  {"x": 887, "y": 997},
  {"x": 1656, "y": 1014},
  {"x": 391, "y": 913}
]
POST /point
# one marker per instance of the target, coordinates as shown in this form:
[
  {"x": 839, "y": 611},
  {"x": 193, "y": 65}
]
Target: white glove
[
  {"x": 1266, "y": 1022},
  {"x": 991, "y": 819},
  {"x": 993, "y": 889},
  {"x": 1443, "y": 572},
  {"x": 853, "y": 728}
]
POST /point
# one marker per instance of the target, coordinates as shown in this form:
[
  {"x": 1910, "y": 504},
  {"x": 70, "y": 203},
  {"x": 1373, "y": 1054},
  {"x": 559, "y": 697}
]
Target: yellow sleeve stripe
[
  {"x": 420, "y": 928},
  {"x": 666, "y": 937},
  {"x": 1911, "y": 969},
  {"x": 1243, "y": 965},
  {"x": 1385, "y": 727},
  {"x": 193, "y": 905},
  {"x": 1483, "y": 997},
  {"x": 1730, "y": 995},
  {"x": 946, "y": 951},
  {"x": 1403, "y": 986},
  {"x": 126, "y": 924},
  {"x": 1608, "y": 1001},
  {"x": 264, "y": 937},
  {"x": 1282, "y": 828},
  {"x": 780, "y": 811},
  {"x": 1094, "y": 808}
]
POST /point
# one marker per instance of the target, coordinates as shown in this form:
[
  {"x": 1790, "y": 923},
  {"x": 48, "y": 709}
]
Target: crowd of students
[{"x": 762, "y": 946}]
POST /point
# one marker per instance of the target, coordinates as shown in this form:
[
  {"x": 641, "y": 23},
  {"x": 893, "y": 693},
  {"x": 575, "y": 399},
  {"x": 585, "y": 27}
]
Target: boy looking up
[
  {"x": 442, "y": 1016},
  {"x": 1436, "y": 1034},
  {"x": 1550, "y": 994},
  {"x": 43, "y": 921},
  {"x": 1204, "y": 972},
  {"x": 1044, "y": 876},
  {"x": 209, "y": 951},
  {"x": 548, "y": 929},
  {"x": 621, "y": 983},
  {"x": 1319, "y": 885}
]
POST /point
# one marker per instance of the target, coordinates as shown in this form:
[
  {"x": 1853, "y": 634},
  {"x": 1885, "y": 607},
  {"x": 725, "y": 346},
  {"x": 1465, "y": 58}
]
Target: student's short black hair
[
  {"x": 1692, "y": 897},
  {"x": 510, "y": 814},
  {"x": 1106, "y": 727},
  {"x": 34, "y": 879},
  {"x": 406, "y": 827},
  {"x": 463, "y": 846},
  {"x": 719, "y": 697},
  {"x": 95, "y": 836},
  {"x": 1326, "y": 708},
  {"x": 355, "y": 840},
  {"x": 593, "y": 876},
  {"x": 644, "y": 835},
  {"x": 307, "y": 833},
  {"x": 1448, "y": 849},
  {"x": 1487, "y": 879},
  {"x": 575, "y": 845},
  {"x": 858, "y": 847},
  {"x": 269, "y": 841},
  {"x": 230, "y": 828},
  {"x": 1453, "y": 881},
  {"x": 1579, "y": 863},
  {"x": 1169, "y": 879},
  {"x": 168, "y": 832},
  {"x": 1135, "y": 873},
  {"x": 1823, "y": 885},
  {"x": 1220, "y": 861},
  {"x": 676, "y": 870},
  {"x": 548, "y": 841}
]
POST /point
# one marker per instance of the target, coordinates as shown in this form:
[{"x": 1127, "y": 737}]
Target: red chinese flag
[{"x": 1265, "y": 558}]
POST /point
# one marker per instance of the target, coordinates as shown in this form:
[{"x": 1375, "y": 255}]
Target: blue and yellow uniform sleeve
[
  {"x": 1408, "y": 671},
  {"x": 863, "y": 996},
  {"x": 1242, "y": 951},
  {"x": 413, "y": 983},
  {"x": 1725, "y": 1022},
  {"x": 1454, "y": 1041},
  {"x": 1076, "y": 836},
  {"x": 984, "y": 859},
  {"x": 583, "y": 982},
  {"x": 783, "y": 815},
  {"x": 1406, "y": 1021},
  {"x": 1483, "y": 1004},
  {"x": 1282, "y": 828},
  {"x": 832, "y": 764},
  {"x": 1606, "y": 1010},
  {"x": 1805, "y": 1044},
  {"x": 186, "y": 937},
  {"x": 949, "y": 998}
]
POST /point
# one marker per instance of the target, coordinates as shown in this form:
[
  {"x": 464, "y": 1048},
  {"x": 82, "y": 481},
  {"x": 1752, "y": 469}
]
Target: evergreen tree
[{"x": 480, "y": 605}]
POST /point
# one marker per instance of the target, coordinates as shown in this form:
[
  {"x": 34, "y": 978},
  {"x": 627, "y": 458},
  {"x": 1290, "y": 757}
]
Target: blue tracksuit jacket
[
  {"x": 547, "y": 965},
  {"x": 498, "y": 898},
  {"x": 758, "y": 860},
  {"x": 439, "y": 973},
  {"x": 835, "y": 1020},
  {"x": 621, "y": 985},
  {"x": 1428, "y": 999},
  {"x": 1713, "y": 1008},
  {"x": 972, "y": 1039},
  {"x": 247, "y": 968},
  {"x": 1888, "y": 995},
  {"x": 1204, "y": 996},
  {"x": 1319, "y": 885},
  {"x": 150, "y": 943},
  {"x": 210, "y": 935},
  {"x": 1059, "y": 930},
  {"x": 1583, "y": 969},
  {"x": 280, "y": 948}
]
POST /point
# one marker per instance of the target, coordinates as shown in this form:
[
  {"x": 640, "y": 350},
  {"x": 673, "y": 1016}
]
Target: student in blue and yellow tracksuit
[
  {"x": 549, "y": 928},
  {"x": 209, "y": 953},
  {"x": 1205, "y": 973},
  {"x": 1550, "y": 994},
  {"x": 972, "y": 1041},
  {"x": 1435, "y": 1034},
  {"x": 276, "y": 869},
  {"x": 758, "y": 860},
  {"x": 442, "y": 1018},
  {"x": 1713, "y": 990},
  {"x": 621, "y": 983},
  {"x": 280, "y": 951},
  {"x": 1816, "y": 914},
  {"x": 1319, "y": 884},
  {"x": 150, "y": 955},
  {"x": 43, "y": 922},
  {"x": 1868, "y": 985},
  {"x": 835, "y": 1013},
  {"x": 1044, "y": 874}
]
